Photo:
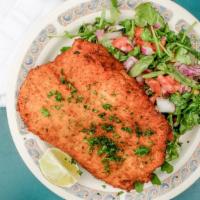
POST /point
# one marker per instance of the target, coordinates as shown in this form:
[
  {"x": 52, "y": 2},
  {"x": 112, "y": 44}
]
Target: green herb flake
[
  {"x": 80, "y": 172},
  {"x": 142, "y": 151},
  {"x": 108, "y": 127},
  {"x": 51, "y": 93},
  {"x": 95, "y": 110},
  {"x": 138, "y": 186},
  {"x": 127, "y": 129},
  {"x": 73, "y": 161},
  {"x": 106, "y": 165},
  {"x": 138, "y": 130},
  {"x": 148, "y": 132},
  {"x": 57, "y": 107},
  {"x": 114, "y": 118},
  {"x": 79, "y": 99},
  {"x": 63, "y": 49},
  {"x": 102, "y": 115},
  {"x": 45, "y": 112},
  {"x": 104, "y": 186},
  {"x": 69, "y": 99},
  {"x": 107, "y": 106},
  {"x": 71, "y": 87},
  {"x": 155, "y": 179},
  {"x": 91, "y": 130},
  {"x": 120, "y": 193},
  {"x": 86, "y": 106},
  {"x": 58, "y": 96},
  {"x": 166, "y": 167},
  {"x": 62, "y": 80}
]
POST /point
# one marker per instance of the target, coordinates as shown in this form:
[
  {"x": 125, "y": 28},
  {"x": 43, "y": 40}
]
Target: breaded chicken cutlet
[{"x": 85, "y": 104}]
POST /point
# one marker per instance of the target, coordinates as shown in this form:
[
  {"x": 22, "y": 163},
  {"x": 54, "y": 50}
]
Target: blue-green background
[{"x": 17, "y": 182}]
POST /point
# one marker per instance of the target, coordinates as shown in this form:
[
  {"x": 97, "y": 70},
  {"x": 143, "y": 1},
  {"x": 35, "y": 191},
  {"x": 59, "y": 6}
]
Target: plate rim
[{"x": 10, "y": 104}]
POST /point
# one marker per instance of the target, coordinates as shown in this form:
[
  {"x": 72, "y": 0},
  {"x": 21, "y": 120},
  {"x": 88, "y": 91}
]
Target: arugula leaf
[
  {"x": 63, "y": 49},
  {"x": 173, "y": 150},
  {"x": 101, "y": 22},
  {"x": 190, "y": 49},
  {"x": 87, "y": 32},
  {"x": 155, "y": 179},
  {"x": 146, "y": 35},
  {"x": 166, "y": 167},
  {"x": 182, "y": 56},
  {"x": 135, "y": 51},
  {"x": 69, "y": 35},
  {"x": 187, "y": 111},
  {"x": 138, "y": 186},
  {"x": 146, "y": 14},
  {"x": 114, "y": 11},
  {"x": 153, "y": 74},
  {"x": 141, "y": 65},
  {"x": 129, "y": 26}
]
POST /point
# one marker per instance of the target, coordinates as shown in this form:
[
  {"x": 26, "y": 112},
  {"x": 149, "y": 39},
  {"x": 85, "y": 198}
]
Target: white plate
[{"x": 38, "y": 49}]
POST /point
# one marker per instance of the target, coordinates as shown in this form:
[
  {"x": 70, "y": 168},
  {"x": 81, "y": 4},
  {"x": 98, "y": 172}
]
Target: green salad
[{"x": 163, "y": 62}]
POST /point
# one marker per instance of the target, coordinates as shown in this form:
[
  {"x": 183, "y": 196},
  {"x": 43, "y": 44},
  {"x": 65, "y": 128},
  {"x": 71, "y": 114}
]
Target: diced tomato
[
  {"x": 143, "y": 43},
  {"x": 154, "y": 85},
  {"x": 170, "y": 136},
  {"x": 168, "y": 84},
  {"x": 138, "y": 32},
  {"x": 123, "y": 44}
]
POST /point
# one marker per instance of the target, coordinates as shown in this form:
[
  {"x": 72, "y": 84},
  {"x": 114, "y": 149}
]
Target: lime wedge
[{"x": 58, "y": 168}]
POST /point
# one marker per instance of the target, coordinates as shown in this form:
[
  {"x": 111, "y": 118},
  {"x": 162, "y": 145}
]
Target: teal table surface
[{"x": 17, "y": 182}]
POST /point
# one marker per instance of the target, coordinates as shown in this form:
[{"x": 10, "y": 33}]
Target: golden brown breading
[{"x": 95, "y": 85}]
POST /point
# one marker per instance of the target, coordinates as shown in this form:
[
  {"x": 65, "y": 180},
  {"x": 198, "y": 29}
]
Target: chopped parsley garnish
[
  {"x": 115, "y": 135},
  {"x": 103, "y": 186},
  {"x": 45, "y": 112},
  {"x": 51, "y": 93},
  {"x": 107, "y": 106},
  {"x": 148, "y": 132},
  {"x": 166, "y": 167},
  {"x": 80, "y": 172},
  {"x": 62, "y": 79},
  {"x": 94, "y": 92},
  {"x": 114, "y": 118},
  {"x": 79, "y": 99},
  {"x": 73, "y": 161},
  {"x": 69, "y": 99},
  {"x": 107, "y": 147},
  {"x": 127, "y": 129},
  {"x": 57, "y": 107},
  {"x": 86, "y": 107},
  {"x": 120, "y": 193},
  {"x": 106, "y": 165},
  {"x": 57, "y": 94},
  {"x": 63, "y": 49},
  {"x": 142, "y": 150},
  {"x": 102, "y": 115},
  {"x": 155, "y": 179},
  {"x": 95, "y": 110},
  {"x": 139, "y": 186},
  {"x": 90, "y": 130},
  {"x": 107, "y": 127},
  {"x": 69, "y": 85},
  {"x": 138, "y": 130}
]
